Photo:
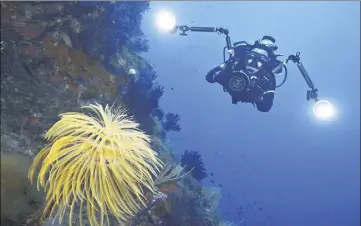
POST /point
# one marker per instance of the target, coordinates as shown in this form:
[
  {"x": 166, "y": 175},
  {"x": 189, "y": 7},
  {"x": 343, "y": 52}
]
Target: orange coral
[
  {"x": 60, "y": 52},
  {"x": 50, "y": 49},
  {"x": 78, "y": 63},
  {"x": 62, "y": 57},
  {"x": 100, "y": 80},
  {"x": 168, "y": 188}
]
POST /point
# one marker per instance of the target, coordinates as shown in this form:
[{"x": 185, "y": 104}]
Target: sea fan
[
  {"x": 193, "y": 160},
  {"x": 103, "y": 161},
  {"x": 171, "y": 122}
]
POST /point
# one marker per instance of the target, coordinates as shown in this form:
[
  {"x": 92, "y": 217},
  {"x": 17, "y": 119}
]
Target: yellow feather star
[{"x": 104, "y": 162}]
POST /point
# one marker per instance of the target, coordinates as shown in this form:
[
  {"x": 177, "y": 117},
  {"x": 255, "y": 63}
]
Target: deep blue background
[{"x": 300, "y": 171}]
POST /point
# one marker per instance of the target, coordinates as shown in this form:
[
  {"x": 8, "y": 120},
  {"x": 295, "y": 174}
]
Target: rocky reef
[{"x": 57, "y": 56}]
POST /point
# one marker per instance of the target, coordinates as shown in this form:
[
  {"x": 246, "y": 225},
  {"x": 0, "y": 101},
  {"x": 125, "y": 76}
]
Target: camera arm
[
  {"x": 184, "y": 29},
  {"x": 313, "y": 92}
]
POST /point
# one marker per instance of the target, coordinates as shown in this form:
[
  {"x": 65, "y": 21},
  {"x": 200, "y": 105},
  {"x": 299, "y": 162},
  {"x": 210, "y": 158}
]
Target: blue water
[{"x": 298, "y": 170}]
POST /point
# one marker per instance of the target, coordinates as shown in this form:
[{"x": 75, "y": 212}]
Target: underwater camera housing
[
  {"x": 256, "y": 87},
  {"x": 243, "y": 81}
]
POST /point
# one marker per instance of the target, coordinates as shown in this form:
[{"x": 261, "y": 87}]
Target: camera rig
[{"x": 312, "y": 93}]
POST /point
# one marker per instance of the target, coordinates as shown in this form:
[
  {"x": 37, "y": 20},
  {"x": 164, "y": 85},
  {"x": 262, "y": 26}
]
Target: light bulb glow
[
  {"x": 165, "y": 20},
  {"x": 323, "y": 110}
]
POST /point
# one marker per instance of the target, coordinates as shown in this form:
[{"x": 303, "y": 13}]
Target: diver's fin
[{"x": 234, "y": 101}]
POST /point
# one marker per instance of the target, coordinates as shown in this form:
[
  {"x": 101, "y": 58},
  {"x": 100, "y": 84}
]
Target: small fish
[
  {"x": 220, "y": 185},
  {"x": 211, "y": 174},
  {"x": 260, "y": 209},
  {"x": 212, "y": 181}
]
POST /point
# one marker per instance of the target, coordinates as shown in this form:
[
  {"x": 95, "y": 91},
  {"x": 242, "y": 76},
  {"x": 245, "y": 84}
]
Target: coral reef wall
[{"x": 57, "y": 56}]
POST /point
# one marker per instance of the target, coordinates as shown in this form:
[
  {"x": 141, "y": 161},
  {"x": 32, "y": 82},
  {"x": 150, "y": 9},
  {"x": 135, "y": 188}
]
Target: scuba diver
[
  {"x": 250, "y": 73},
  {"x": 257, "y": 61}
]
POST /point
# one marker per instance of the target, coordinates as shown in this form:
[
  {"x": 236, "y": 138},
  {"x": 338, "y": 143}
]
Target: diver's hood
[
  {"x": 260, "y": 52},
  {"x": 268, "y": 39},
  {"x": 268, "y": 42}
]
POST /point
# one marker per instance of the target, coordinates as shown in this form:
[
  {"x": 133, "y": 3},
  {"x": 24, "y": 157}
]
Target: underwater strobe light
[
  {"x": 323, "y": 110},
  {"x": 165, "y": 20}
]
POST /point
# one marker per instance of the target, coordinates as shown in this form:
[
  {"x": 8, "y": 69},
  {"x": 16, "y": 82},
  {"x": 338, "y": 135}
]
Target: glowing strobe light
[
  {"x": 165, "y": 21},
  {"x": 323, "y": 109}
]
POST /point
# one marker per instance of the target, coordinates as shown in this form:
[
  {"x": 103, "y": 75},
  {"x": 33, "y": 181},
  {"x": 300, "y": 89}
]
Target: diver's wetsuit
[
  {"x": 241, "y": 50},
  {"x": 266, "y": 103}
]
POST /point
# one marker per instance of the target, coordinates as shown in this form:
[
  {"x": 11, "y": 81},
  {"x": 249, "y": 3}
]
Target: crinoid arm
[
  {"x": 170, "y": 174},
  {"x": 100, "y": 162}
]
